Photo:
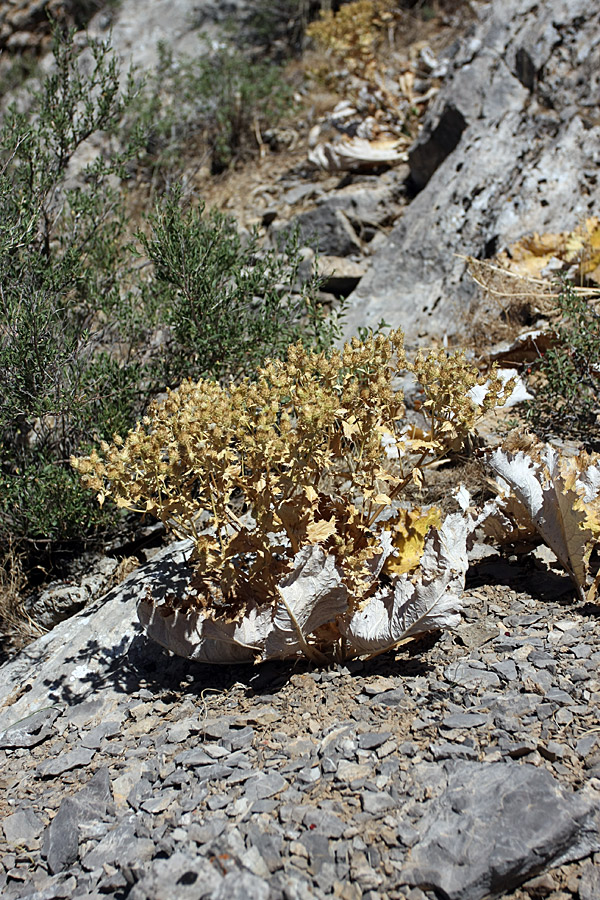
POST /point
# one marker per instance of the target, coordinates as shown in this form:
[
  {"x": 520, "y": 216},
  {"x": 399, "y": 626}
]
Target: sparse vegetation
[
  {"x": 213, "y": 107},
  {"x": 87, "y": 334},
  {"x": 566, "y": 379}
]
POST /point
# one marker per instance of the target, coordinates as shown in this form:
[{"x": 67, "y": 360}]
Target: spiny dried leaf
[
  {"x": 559, "y": 498},
  {"x": 428, "y": 600}
]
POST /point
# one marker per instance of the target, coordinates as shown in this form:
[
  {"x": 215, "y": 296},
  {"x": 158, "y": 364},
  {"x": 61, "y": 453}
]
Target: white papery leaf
[
  {"x": 357, "y": 153},
  {"x": 194, "y": 636},
  {"x": 312, "y": 594},
  {"x": 588, "y": 484},
  {"x": 555, "y": 510},
  {"x": 519, "y": 394},
  {"x": 462, "y": 497},
  {"x": 414, "y": 605}
]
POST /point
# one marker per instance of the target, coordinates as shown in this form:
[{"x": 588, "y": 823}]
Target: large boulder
[{"x": 509, "y": 147}]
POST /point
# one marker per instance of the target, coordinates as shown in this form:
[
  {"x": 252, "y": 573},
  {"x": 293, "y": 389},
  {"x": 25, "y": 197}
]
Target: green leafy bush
[
  {"x": 567, "y": 377},
  {"x": 60, "y": 259},
  {"x": 87, "y": 335},
  {"x": 226, "y": 305}
]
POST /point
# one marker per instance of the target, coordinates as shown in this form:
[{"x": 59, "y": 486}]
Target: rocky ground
[
  {"x": 460, "y": 767},
  {"x": 466, "y": 765}
]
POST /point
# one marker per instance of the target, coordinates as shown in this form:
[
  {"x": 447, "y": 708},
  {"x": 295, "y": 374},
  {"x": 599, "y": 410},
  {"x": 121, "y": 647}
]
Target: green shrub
[
  {"x": 567, "y": 377},
  {"x": 217, "y": 105},
  {"x": 81, "y": 352},
  {"x": 225, "y": 305},
  {"x": 60, "y": 258}
]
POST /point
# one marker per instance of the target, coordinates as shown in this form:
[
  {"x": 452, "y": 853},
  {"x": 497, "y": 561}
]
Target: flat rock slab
[
  {"x": 68, "y": 665},
  {"x": 495, "y": 826}
]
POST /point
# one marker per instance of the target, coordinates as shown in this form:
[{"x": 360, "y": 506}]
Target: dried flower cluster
[
  {"x": 354, "y": 32},
  {"x": 315, "y": 452}
]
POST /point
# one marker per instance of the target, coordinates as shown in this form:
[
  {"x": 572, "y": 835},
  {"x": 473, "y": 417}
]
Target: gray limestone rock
[
  {"x": 372, "y": 204},
  {"x": 61, "y": 843},
  {"x": 509, "y": 147},
  {"x": 589, "y": 885},
  {"x": 494, "y": 826},
  {"x": 61, "y": 838},
  {"x": 261, "y": 786},
  {"x": 67, "y": 665},
  {"x": 54, "y": 766},
  {"x": 181, "y": 876},
  {"x": 31, "y": 730},
  {"x": 241, "y": 886},
  {"x": 330, "y": 230},
  {"x": 60, "y": 601},
  {"x": 21, "y": 828}
]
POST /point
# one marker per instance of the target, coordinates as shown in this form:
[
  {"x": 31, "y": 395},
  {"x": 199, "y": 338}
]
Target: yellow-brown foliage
[
  {"x": 312, "y": 452},
  {"x": 354, "y": 33}
]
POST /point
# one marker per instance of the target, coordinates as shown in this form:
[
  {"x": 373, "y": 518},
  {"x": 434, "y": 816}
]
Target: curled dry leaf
[
  {"x": 358, "y": 153},
  {"x": 560, "y": 498},
  {"x": 427, "y": 600},
  {"x": 311, "y": 595}
]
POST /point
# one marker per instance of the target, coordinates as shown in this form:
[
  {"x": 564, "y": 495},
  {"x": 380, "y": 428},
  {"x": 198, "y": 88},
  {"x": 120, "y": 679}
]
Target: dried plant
[
  {"x": 556, "y": 497},
  {"x": 315, "y": 453},
  {"x": 354, "y": 33}
]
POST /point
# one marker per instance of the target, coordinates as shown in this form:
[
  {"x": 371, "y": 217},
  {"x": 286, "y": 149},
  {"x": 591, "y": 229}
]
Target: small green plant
[
  {"x": 226, "y": 305},
  {"x": 566, "y": 379},
  {"x": 214, "y": 106}
]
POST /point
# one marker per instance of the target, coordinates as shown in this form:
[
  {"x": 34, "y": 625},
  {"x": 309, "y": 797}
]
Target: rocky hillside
[{"x": 462, "y": 766}]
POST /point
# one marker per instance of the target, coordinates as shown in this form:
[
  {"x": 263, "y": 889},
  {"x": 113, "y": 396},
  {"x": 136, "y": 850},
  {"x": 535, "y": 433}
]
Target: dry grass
[{"x": 17, "y": 628}]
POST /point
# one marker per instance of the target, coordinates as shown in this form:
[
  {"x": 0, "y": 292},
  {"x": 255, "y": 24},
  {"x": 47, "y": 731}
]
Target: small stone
[
  {"x": 552, "y": 751},
  {"x": 253, "y": 861},
  {"x": 209, "y": 831},
  {"x": 160, "y": 803},
  {"x": 589, "y": 883},
  {"x": 216, "y": 751},
  {"x": 218, "y": 801},
  {"x": 317, "y": 846},
  {"x": 386, "y": 749},
  {"x": 260, "y": 787},
  {"x": 464, "y": 720},
  {"x": 93, "y": 739},
  {"x": 241, "y": 738},
  {"x": 350, "y": 771},
  {"x": 21, "y": 828},
  {"x": 179, "y": 732},
  {"x": 389, "y": 698},
  {"x": 371, "y": 740},
  {"x": 326, "y": 823},
  {"x": 64, "y": 763},
  {"x": 446, "y": 750},
  {"x": 30, "y": 731},
  {"x": 377, "y": 803},
  {"x": 61, "y": 838}
]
